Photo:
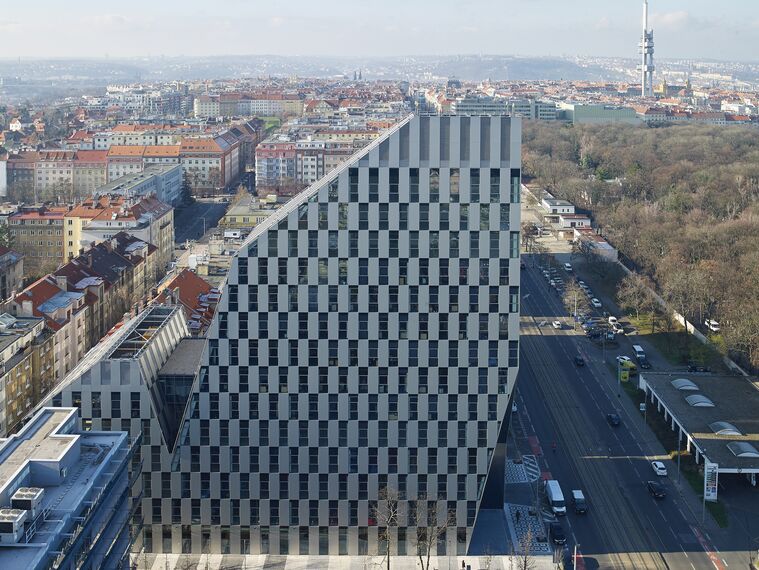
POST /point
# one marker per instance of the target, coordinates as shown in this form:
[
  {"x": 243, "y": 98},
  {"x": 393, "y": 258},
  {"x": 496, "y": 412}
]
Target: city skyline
[{"x": 695, "y": 29}]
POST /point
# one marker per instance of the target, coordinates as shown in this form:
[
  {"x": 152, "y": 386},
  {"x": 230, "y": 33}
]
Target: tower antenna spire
[{"x": 647, "y": 52}]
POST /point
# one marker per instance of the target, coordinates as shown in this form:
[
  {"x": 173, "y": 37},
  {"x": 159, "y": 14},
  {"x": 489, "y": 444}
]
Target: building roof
[
  {"x": 194, "y": 294},
  {"x": 185, "y": 360},
  {"x": 79, "y": 464},
  {"x": 92, "y": 156},
  {"x": 717, "y": 411}
]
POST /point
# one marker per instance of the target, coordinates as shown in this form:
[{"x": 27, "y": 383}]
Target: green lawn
[{"x": 676, "y": 346}]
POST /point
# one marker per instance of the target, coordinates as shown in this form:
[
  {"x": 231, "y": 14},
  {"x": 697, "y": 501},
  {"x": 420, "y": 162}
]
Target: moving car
[
  {"x": 579, "y": 361},
  {"x": 578, "y": 499},
  {"x": 656, "y": 489},
  {"x": 556, "y": 324},
  {"x": 557, "y": 532},
  {"x": 659, "y": 468},
  {"x": 596, "y": 303},
  {"x": 613, "y": 419}
]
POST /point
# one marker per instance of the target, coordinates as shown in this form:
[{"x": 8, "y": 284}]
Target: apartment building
[
  {"x": 99, "y": 219},
  {"x": 210, "y": 164},
  {"x": 162, "y": 180},
  {"x": 90, "y": 171},
  {"x": 11, "y": 272},
  {"x": 37, "y": 233},
  {"x": 26, "y": 368},
  {"x": 66, "y": 315}
]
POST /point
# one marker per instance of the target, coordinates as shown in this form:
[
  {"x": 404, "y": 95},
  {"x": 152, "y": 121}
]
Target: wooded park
[{"x": 681, "y": 202}]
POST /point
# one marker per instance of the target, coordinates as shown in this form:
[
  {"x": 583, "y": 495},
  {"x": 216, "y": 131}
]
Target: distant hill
[{"x": 471, "y": 67}]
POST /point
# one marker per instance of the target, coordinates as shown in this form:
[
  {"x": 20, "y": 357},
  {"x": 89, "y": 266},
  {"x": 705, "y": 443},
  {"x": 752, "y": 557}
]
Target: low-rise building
[
  {"x": 552, "y": 206},
  {"x": 590, "y": 114},
  {"x": 64, "y": 495},
  {"x": 247, "y": 213},
  {"x": 569, "y": 221}
]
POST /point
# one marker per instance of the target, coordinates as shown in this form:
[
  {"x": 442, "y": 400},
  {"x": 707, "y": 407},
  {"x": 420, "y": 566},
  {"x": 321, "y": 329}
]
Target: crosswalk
[{"x": 531, "y": 467}]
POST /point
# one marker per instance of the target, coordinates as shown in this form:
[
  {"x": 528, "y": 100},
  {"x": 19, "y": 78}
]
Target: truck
[{"x": 555, "y": 497}]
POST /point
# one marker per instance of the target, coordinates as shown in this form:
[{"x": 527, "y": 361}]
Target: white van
[
  {"x": 639, "y": 352},
  {"x": 555, "y": 497}
]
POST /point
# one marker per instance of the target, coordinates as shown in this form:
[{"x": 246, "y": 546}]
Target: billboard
[{"x": 711, "y": 478}]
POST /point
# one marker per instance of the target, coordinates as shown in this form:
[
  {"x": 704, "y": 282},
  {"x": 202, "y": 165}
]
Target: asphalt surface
[
  {"x": 189, "y": 220},
  {"x": 625, "y": 527}
]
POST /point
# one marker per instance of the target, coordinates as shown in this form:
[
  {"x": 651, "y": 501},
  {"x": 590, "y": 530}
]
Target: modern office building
[
  {"x": 64, "y": 495},
  {"x": 367, "y": 339}
]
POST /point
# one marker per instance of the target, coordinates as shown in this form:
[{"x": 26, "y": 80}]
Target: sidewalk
[{"x": 522, "y": 496}]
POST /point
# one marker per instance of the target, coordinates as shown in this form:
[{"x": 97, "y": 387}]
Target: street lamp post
[
  {"x": 574, "y": 557},
  {"x": 619, "y": 378}
]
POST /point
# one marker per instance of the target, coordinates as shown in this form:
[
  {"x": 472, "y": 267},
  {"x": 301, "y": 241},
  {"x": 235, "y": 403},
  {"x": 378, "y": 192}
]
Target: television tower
[{"x": 647, "y": 51}]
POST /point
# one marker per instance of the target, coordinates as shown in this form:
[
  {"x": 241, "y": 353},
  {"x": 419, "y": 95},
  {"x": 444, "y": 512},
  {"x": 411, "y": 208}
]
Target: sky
[{"x": 691, "y": 29}]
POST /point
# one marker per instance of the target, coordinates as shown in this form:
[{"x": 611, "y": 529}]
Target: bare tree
[
  {"x": 634, "y": 293},
  {"x": 529, "y": 235},
  {"x": 574, "y": 299},
  {"x": 522, "y": 558},
  {"x": 432, "y": 520},
  {"x": 388, "y": 514}
]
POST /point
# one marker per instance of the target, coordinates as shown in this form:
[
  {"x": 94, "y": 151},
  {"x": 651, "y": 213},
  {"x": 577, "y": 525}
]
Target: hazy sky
[{"x": 728, "y": 29}]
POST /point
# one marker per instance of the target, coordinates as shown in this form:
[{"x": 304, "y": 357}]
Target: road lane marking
[{"x": 708, "y": 549}]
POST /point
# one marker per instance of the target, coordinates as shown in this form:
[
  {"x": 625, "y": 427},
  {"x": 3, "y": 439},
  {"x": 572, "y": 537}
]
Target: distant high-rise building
[{"x": 647, "y": 52}]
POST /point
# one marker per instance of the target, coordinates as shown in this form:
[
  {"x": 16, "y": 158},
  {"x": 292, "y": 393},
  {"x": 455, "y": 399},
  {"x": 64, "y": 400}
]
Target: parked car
[
  {"x": 613, "y": 321},
  {"x": 617, "y": 328},
  {"x": 695, "y": 367},
  {"x": 613, "y": 419},
  {"x": 568, "y": 267},
  {"x": 579, "y": 361},
  {"x": 557, "y": 532},
  {"x": 659, "y": 468},
  {"x": 596, "y": 303},
  {"x": 556, "y": 324},
  {"x": 656, "y": 489},
  {"x": 712, "y": 325}
]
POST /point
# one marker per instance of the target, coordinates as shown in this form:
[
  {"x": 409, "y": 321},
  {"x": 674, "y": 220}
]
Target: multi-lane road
[{"x": 625, "y": 526}]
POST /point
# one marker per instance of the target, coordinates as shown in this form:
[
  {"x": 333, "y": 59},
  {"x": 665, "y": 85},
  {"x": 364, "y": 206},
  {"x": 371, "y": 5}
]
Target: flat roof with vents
[
  {"x": 699, "y": 401},
  {"x": 684, "y": 384},
  {"x": 717, "y": 413},
  {"x": 743, "y": 449},
  {"x": 724, "y": 428}
]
